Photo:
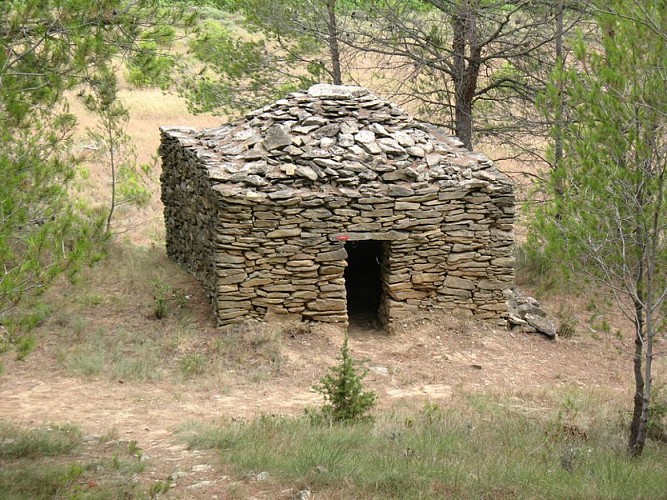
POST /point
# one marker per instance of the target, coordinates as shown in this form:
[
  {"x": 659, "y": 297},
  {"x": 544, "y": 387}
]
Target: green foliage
[
  {"x": 159, "y": 488},
  {"x": 608, "y": 214},
  {"x": 279, "y": 49},
  {"x": 42, "y": 234},
  {"x": 24, "y": 346},
  {"x": 24, "y": 321},
  {"x": 50, "y": 48},
  {"x": 615, "y": 152},
  {"x": 534, "y": 267},
  {"x": 160, "y": 296},
  {"x": 151, "y": 65},
  {"x": 343, "y": 392},
  {"x": 215, "y": 44},
  {"x": 612, "y": 210},
  {"x": 151, "y": 69},
  {"x": 132, "y": 185},
  {"x": 234, "y": 72},
  {"x": 308, "y": 33},
  {"x": 221, "y": 5},
  {"x": 15, "y": 333}
]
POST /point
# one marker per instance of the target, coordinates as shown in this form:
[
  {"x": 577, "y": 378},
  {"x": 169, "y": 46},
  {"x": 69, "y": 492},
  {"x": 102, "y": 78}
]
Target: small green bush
[
  {"x": 160, "y": 293},
  {"x": 344, "y": 395},
  {"x": 568, "y": 322}
]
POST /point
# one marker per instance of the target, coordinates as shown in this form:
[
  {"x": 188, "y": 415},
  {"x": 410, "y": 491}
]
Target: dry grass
[{"x": 104, "y": 324}]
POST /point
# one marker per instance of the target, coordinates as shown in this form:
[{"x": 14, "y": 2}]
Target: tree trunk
[
  {"x": 558, "y": 129},
  {"x": 466, "y": 63},
  {"x": 638, "y": 426},
  {"x": 112, "y": 163},
  {"x": 648, "y": 379},
  {"x": 463, "y": 122},
  {"x": 334, "y": 48}
]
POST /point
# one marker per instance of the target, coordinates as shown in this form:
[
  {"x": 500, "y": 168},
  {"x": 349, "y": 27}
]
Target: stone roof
[{"x": 333, "y": 139}]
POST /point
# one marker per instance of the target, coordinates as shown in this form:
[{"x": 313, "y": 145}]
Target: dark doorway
[{"x": 363, "y": 281}]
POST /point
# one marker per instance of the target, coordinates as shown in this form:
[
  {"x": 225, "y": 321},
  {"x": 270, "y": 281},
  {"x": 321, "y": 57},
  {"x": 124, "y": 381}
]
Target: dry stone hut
[{"x": 334, "y": 202}]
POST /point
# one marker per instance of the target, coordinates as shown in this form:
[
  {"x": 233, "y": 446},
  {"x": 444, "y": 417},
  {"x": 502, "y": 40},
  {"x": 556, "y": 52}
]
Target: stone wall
[
  {"x": 260, "y": 212},
  {"x": 444, "y": 250},
  {"x": 190, "y": 208}
]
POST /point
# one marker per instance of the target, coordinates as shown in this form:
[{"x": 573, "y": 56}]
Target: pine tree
[
  {"x": 609, "y": 217},
  {"x": 344, "y": 395},
  {"x": 49, "y": 50}
]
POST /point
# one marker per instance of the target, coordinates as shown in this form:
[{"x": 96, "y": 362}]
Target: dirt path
[{"x": 431, "y": 361}]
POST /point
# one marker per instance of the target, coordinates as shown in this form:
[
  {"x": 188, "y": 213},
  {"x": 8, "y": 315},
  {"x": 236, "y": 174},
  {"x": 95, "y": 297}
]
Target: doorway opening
[{"x": 363, "y": 281}]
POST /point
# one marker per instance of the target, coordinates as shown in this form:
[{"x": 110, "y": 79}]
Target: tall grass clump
[
  {"x": 16, "y": 442},
  {"x": 55, "y": 462}
]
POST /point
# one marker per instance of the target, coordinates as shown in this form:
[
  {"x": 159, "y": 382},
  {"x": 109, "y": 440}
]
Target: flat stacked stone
[{"x": 259, "y": 210}]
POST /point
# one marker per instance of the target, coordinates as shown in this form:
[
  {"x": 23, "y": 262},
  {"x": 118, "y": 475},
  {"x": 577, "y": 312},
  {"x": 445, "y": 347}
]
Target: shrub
[
  {"x": 160, "y": 292},
  {"x": 568, "y": 322},
  {"x": 344, "y": 395}
]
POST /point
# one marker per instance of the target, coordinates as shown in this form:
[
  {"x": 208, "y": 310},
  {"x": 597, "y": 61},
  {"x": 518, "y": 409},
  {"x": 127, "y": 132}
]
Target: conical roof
[{"x": 333, "y": 139}]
